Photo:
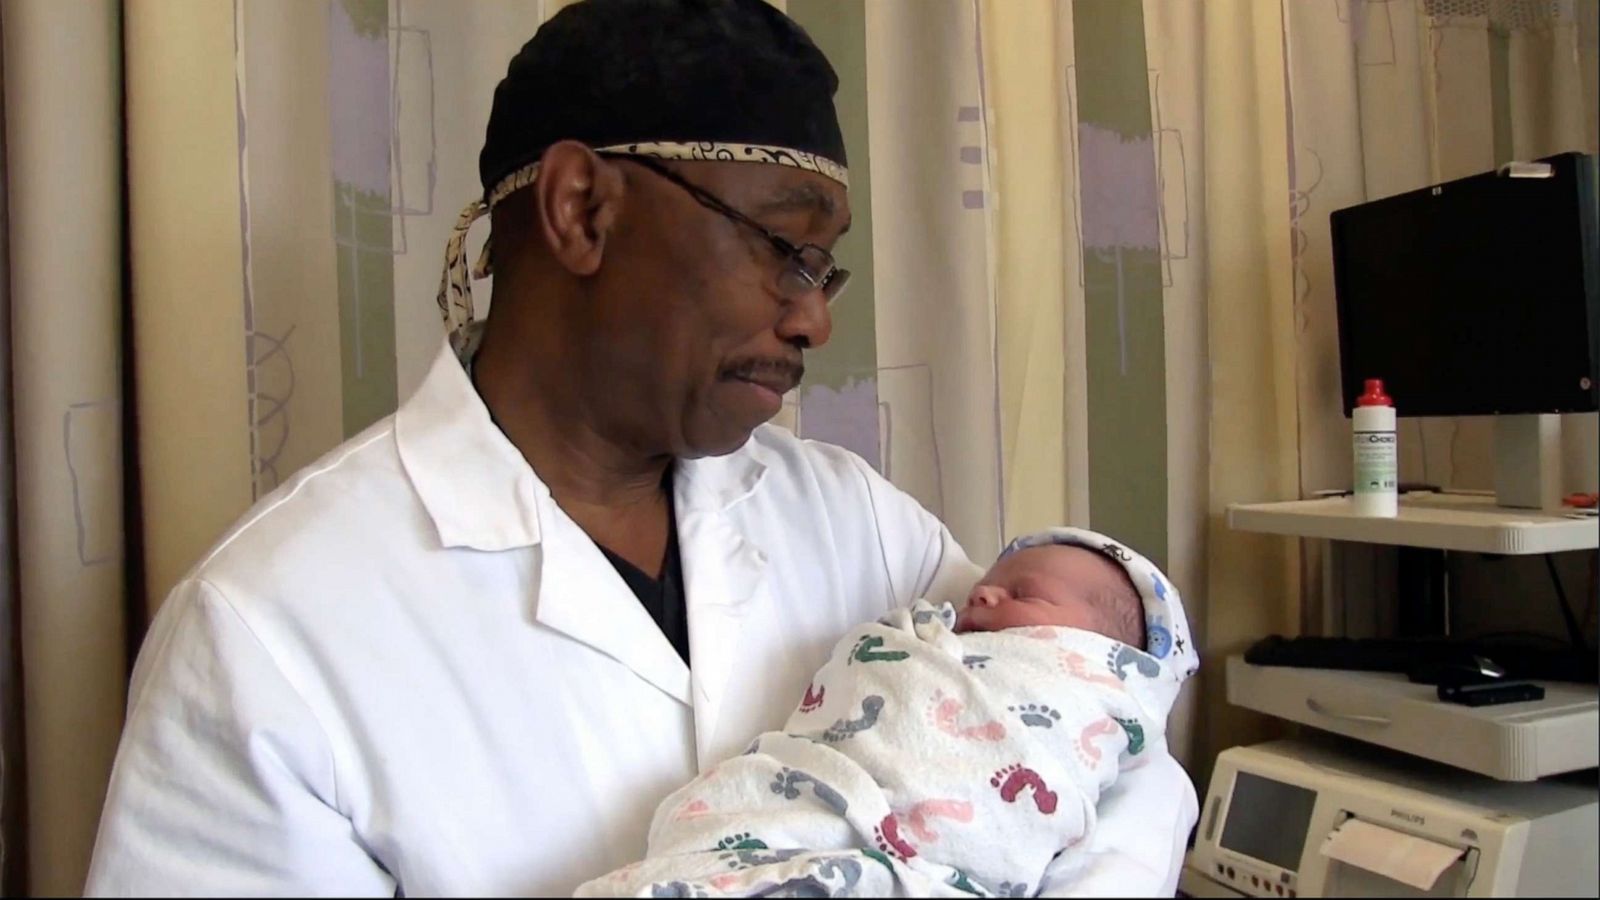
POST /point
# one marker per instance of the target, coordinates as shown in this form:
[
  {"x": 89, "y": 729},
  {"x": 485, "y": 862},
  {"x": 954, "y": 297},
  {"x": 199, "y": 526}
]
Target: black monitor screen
[
  {"x": 1470, "y": 298},
  {"x": 1267, "y": 820}
]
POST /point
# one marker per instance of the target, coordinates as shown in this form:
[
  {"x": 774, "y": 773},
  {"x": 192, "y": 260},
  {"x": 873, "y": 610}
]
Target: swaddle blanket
[{"x": 921, "y": 762}]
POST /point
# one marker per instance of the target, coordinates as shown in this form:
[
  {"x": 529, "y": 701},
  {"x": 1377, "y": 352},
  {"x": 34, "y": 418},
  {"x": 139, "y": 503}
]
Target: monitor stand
[{"x": 1527, "y": 461}]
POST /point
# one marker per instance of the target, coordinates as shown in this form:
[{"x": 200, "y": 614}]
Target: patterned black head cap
[
  {"x": 718, "y": 76},
  {"x": 729, "y": 80}
]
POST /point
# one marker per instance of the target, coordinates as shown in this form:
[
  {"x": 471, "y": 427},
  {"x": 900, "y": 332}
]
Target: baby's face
[{"x": 1050, "y": 585}]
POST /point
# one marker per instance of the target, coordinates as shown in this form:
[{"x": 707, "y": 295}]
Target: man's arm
[
  {"x": 920, "y": 556},
  {"x": 1137, "y": 844},
  {"x": 224, "y": 782}
]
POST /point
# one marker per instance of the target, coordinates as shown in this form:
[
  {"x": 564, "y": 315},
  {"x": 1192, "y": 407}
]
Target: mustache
[{"x": 773, "y": 371}]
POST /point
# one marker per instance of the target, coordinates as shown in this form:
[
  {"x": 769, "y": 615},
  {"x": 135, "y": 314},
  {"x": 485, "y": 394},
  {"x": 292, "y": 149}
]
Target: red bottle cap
[{"x": 1374, "y": 395}]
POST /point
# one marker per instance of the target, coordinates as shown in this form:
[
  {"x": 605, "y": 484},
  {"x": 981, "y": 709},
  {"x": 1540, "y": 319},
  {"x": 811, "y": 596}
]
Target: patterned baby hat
[{"x": 1167, "y": 635}]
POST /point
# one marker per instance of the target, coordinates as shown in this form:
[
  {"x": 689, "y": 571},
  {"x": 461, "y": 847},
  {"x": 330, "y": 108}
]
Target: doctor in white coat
[{"x": 471, "y": 649}]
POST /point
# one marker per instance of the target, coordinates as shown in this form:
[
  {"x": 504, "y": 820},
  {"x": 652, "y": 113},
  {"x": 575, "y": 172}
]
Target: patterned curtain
[
  {"x": 1161, "y": 176},
  {"x": 1142, "y": 296},
  {"x": 1393, "y": 96}
]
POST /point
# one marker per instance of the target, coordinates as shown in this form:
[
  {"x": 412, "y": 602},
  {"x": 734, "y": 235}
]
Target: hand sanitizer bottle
[{"x": 1377, "y": 456}]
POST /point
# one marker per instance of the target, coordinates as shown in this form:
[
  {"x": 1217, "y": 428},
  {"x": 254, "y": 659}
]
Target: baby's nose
[{"x": 986, "y": 595}]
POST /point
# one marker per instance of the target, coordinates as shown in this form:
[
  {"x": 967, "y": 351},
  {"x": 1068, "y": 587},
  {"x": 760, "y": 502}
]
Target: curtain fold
[
  {"x": 13, "y": 781},
  {"x": 1173, "y": 32},
  {"x": 934, "y": 312},
  {"x": 1252, "y": 580},
  {"x": 64, "y": 200},
  {"x": 186, "y": 241},
  {"x": 1024, "y": 80}
]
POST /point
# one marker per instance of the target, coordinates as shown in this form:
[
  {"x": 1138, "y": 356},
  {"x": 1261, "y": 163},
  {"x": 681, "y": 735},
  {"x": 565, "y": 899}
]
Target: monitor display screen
[
  {"x": 1267, "y": 820},
  {"x": 1471, "y": 297}
]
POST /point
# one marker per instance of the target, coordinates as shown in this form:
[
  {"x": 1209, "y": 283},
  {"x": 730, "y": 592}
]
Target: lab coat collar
[
  {"x": 722, "y": 573},
  {"x": 582, "y": 596},
  {"x": 482, "y": 494},
  {"x": 717, "y": 483},
  {"x": 474, "y": 483}
]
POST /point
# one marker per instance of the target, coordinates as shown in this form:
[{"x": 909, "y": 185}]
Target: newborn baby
[
  {"x": 1060, "y": 585},
  {"x": 942, "y": 754}
]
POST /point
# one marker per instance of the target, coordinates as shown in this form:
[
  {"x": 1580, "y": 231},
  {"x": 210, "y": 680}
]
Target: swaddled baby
[{"x": 941, "y": 753}]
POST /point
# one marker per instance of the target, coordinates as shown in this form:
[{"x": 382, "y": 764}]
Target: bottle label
[{"x": 1376, "y": 462}]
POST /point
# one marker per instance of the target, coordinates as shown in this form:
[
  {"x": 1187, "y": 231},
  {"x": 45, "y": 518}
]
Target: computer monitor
[{"x": 1479, "y": 296}]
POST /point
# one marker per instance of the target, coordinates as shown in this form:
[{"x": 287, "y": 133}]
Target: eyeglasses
[{"x": 806, "y": 267}]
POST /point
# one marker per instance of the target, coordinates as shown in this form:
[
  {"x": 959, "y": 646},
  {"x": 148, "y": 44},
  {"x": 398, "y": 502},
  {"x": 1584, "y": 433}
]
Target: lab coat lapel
[
  {"x": 582, "y": 596},
  {"x": 722, "y": 572}
]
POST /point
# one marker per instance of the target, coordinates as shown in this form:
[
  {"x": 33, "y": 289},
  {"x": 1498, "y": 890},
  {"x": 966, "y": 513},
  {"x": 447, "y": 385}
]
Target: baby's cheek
[{"x": 1077, "y": 615}]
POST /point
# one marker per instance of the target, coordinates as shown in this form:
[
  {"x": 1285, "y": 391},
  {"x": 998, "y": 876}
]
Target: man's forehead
[
  {"x": 801, "y": 196},
  {"x": 764, "y": 188}
]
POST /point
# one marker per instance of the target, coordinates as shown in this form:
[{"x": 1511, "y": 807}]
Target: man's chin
[
  {"x": 721, "y": 444},
  {"x": 725, "y": 427},
  {"x": 741, "y": 401}
]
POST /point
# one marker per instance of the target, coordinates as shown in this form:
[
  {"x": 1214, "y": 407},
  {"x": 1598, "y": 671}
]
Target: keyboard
[{"x": 1423, "y": 658}]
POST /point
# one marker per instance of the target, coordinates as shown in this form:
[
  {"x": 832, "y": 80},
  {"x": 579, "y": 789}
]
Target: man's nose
[
  {"x": 806, "y": 321},
  {"x": 986, "y": 595}
]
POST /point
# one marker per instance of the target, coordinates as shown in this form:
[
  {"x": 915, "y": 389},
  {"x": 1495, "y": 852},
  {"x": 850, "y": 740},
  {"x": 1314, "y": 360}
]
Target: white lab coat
[{"x": 409, "y": 668}]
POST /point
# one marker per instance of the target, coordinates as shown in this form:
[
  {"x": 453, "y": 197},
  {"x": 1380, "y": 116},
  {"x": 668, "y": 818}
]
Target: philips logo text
[{"x": 1407, "y": 817}]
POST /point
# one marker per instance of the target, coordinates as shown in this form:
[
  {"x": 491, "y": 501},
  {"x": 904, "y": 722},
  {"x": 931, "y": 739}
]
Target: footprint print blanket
[{"x": 925, "y": 763}]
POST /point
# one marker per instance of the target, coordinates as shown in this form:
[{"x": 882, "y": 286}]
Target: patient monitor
[{"x": 1331, "y": 819}]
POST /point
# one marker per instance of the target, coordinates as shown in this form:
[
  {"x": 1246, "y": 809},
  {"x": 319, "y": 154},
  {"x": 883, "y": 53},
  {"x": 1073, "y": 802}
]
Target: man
[
  {"x": 454, "y": 656},
  {"x": 469, "y": 651}
]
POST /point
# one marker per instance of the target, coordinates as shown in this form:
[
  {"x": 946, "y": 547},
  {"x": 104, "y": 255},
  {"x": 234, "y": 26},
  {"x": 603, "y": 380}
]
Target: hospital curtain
[
  {"x": 13, "y": 796},
  {"x": 1161, "y": 174},
  {"x": 1139, "y": 166},
  {"x": 63, "y": 191},
  {"x": 1390, "y": 97}
]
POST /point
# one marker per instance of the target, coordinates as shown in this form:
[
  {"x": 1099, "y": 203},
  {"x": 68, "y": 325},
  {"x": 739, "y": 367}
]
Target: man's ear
[{"x": 576, "y": 200}]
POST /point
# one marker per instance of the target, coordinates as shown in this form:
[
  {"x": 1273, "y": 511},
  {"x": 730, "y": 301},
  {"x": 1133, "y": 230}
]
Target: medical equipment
[{"x": 1329, "y": 818}]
